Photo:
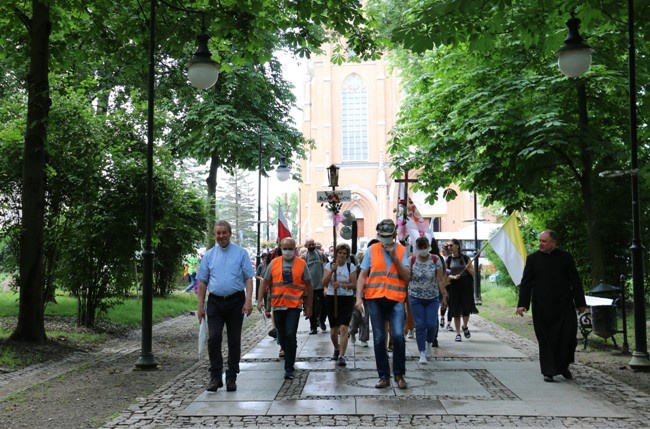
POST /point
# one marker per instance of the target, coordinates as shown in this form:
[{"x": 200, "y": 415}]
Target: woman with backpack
[
  {"x": 341, "y": 279},
  {"x": 426, "y": 289},
  {"x": 461, "y": 289}
]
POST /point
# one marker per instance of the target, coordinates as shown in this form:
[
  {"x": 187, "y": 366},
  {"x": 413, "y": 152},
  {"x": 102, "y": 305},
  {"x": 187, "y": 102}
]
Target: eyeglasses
[{"x": 287, "y": 249}]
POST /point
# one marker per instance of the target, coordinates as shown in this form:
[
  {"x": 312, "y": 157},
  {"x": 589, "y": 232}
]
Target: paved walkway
[{"x": 491, "y": 380}]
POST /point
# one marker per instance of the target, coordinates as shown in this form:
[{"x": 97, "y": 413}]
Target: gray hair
[{"x": 223, "y": 223}]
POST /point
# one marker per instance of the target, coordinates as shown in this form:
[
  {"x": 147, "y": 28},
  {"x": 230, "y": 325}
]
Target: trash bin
[
  {"x": 603, "y": 290},
  {"x": 604, "y": 321}
]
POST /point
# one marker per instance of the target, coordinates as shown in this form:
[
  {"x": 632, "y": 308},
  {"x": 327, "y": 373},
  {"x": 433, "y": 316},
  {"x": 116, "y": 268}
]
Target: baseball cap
[{"x": 386, "y": 228}]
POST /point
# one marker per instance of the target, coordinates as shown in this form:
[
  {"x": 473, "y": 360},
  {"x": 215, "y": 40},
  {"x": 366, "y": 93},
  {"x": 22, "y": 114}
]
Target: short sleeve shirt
[
  {"x": 424, "y": 283},
  {"x": 342, "y": 276},
  {"x": 225, "y": 270}
]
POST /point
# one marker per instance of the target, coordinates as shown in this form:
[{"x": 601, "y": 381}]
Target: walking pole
[
  {"x": 471, "y": 262},
  {"x": 336, "y": 294}
]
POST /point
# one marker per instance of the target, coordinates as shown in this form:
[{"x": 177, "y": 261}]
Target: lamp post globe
[
  {"x": 202, "y": 70},
  {"x": 574, "y": 58},
  {"x": 282, "y": 173}
]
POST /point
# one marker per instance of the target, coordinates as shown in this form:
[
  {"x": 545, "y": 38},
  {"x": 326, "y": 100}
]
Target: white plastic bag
[{"x": 203, "y": 336}]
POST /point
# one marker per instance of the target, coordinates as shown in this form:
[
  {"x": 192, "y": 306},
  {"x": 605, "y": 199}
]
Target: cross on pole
[{"x": 406, "y": 182}]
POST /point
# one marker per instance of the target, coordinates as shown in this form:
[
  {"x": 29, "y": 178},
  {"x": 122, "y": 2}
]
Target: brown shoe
[
  {"x": 382, "y": 383},
  {"x": 401, "y": 383}
]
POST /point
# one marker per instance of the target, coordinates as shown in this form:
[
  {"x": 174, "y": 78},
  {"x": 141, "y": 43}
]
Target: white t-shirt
[{"x": 342, "y": 276}]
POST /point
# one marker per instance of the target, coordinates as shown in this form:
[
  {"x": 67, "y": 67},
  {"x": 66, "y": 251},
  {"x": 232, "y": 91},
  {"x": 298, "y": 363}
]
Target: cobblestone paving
[{"x": 162, "y": 408}]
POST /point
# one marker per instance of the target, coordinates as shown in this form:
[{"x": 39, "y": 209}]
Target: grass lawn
[
  {"x": 126, "y": 315},
  {"x": 499, "y": 307}
]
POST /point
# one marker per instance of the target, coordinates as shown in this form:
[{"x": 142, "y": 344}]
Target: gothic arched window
[{"x": 354, "y": 119}]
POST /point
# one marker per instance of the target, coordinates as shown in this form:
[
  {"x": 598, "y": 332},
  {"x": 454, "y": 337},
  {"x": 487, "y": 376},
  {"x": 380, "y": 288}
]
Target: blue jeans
[
  {"x": 384, "y": 310},
  {"x": 286, "y": 324},
  {"x": 425, "y": 315}
]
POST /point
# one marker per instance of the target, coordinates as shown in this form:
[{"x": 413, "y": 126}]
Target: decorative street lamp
[
  {"x": 282, "y": 173},
  {"x": 333, "y": 179},
  {"x": 203, "y": 73},
  {"x": 202, "y": 70},
  {"x": 640, "y": 358},
  {"x": 574, "y": 58},
  {"x": 333, "y": 176},
  {"x": 580, "y": 65},
  {"x": 477, "y": 267}
]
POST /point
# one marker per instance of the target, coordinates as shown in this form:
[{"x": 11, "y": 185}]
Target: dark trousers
[
  {"x": 226, "y": 312},
  {"x": 286, "y": 323},
  {"x": 319, "y": 310}
]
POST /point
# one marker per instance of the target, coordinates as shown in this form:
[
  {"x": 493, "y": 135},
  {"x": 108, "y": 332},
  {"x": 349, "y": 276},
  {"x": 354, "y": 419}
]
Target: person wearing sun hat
[{"x": 382, "y": 281}]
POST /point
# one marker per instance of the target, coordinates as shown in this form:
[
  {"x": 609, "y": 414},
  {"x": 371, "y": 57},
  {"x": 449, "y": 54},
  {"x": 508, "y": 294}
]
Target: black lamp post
[
  {"x": 640, "y": 359},
  {"x": 477, "y": 266},
  {"x": 258, "y": 257},
  {"x": 203, "y": 73},
  {"x": 576, "y": 52},
  {"x": 626, "y": 347},
  {"x": 282, "y": 173},
  {"x": 333, "y": 179}
]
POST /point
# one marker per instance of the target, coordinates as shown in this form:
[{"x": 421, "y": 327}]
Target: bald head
[
  {"x": 288, "y": 246},
  {"x": 547, "y": 241}
]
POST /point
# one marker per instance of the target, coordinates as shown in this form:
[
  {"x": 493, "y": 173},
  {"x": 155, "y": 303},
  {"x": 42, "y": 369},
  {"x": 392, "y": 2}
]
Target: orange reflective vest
[
  {"x": 287, "y": 295},
  {"x": 382, "y": 282}
]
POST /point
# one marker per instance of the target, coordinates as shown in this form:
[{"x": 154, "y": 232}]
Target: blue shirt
[{"x": 225, "y": 270}]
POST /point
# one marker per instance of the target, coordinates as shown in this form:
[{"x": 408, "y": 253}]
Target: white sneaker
[
  {"x": 423, "y": 358},
  {"x": 364, "y": 343},
  {"x": 428, "y": 351},
  {"x": 411, "y": 335},
  {"x": 449, "y": 328}
]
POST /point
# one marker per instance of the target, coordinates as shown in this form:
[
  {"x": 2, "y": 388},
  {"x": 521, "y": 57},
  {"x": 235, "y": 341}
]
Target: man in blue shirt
[{"x": 226, "y": 274}]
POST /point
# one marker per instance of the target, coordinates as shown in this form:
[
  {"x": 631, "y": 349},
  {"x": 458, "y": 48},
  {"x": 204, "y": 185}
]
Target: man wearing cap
[{"x": 385, "y": 272}]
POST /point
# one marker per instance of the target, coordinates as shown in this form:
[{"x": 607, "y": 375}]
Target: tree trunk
[
  {"x": 31, "y": 323},
  {"x": 212, "y": 199}
]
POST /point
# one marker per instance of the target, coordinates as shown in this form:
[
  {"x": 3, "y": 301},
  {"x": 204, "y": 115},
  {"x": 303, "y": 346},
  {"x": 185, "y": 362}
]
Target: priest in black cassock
[{"x": 551, "y": 280}]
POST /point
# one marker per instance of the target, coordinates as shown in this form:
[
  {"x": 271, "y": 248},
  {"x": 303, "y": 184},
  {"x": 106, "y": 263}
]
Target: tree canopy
[
  {"x": 481, "y": 87},
  {"x": 97, "y": 51}
]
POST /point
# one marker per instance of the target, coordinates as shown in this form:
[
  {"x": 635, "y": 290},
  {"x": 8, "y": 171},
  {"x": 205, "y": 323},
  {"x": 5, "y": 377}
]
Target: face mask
[
  {"x": 423, "y": 252},
  {"x": 311, "y": 249},
  {"x": 288, "y": 254},
  {"x": 386, "y": 240}
]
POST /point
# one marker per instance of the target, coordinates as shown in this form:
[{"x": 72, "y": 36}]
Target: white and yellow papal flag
[{"x": 508, "y": 244}]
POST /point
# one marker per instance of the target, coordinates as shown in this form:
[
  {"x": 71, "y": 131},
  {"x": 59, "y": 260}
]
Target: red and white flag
[{"x": 283, "y": 225}]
